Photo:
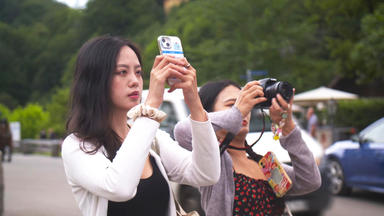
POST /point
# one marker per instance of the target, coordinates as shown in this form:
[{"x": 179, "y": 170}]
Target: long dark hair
[
  {"x": 90, "y": 113},
  {"x": 209, "y": 92}
]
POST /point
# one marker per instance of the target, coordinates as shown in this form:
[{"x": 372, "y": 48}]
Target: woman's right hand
[
  {"x": 250, "y": 95},
  {"x": 165, "y": 66}
]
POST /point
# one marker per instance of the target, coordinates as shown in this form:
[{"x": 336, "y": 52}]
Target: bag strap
[
  {"x": 287, "y": 211},
  {"x": 179, "y": 210}
]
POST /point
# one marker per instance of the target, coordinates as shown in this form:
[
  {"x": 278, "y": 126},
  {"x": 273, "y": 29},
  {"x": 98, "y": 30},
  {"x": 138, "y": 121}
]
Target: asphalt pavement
[
  {"x": 36, "y": 186},
  {"x": 359, "y": 203}
]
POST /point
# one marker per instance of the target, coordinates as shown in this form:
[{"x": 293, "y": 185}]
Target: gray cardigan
[{"x": 218, "y": 199}]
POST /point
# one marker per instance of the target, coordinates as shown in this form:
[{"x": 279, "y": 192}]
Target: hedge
[{"x": 359, "y": 113}]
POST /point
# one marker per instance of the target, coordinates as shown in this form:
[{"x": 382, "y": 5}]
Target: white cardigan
[{"x": 95, "y": 179}]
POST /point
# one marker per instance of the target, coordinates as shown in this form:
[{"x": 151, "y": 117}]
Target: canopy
[{"x": 322, "y": 94}]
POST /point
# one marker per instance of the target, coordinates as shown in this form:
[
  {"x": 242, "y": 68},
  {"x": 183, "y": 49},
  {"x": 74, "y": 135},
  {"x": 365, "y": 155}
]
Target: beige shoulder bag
[{"x": 180, "y": 211}]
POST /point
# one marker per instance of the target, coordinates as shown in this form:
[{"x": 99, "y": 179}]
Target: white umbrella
[{"x": 322, "y": 94}]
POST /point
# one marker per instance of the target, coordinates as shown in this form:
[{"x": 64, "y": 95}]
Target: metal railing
[{"x": 50, "y": 146}]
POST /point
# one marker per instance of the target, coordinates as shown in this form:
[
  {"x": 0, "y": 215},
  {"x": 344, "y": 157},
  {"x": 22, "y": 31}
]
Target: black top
[
  {"x": 255, "y": 197},
  {"x": 152, "y": 197}
]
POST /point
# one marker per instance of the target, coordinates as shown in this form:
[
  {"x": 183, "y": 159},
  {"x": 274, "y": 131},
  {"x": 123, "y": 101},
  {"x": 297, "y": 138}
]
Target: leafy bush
[
  {"x": 4, "y": 111},
  {"x": 359, "y": 113},
  {"x": 32, "y": 119},
  {"x": 58, "y": 108}
]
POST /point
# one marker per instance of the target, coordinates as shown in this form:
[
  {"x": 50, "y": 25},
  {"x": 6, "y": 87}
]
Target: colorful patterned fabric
[{"x": 255, "y": 198}]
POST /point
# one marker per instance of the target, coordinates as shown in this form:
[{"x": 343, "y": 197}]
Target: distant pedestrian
[
  {"x": 43, "y": 134},
  {"x": 5, "y": 140},
  {"x": 311, "y": 121},
  {"x": 51, "y": 134}
]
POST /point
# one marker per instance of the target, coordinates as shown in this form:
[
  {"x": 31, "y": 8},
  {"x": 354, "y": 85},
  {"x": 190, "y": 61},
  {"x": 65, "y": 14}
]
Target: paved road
[
  {"x": 36, "y": 186},
  {"x": 359, "y": 203}
]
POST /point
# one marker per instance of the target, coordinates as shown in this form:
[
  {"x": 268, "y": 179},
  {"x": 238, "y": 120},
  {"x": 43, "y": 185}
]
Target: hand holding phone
[{"x": 170, "y": 45}]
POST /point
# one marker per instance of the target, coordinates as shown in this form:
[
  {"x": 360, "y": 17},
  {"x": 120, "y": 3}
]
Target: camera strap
[
  {"x": 224, "y": 145},
  {"x": 248, "y": 148}
]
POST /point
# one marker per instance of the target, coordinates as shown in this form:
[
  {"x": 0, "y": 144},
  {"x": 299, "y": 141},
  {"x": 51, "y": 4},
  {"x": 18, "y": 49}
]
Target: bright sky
[{"x": 74, "y": 3}]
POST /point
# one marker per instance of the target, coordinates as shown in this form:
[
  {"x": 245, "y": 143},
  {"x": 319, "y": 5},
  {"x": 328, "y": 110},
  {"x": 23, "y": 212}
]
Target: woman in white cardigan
[{"x": 110, "y": 164}]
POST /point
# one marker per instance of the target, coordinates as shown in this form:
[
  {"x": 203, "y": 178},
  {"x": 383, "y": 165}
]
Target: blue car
[{"x": 359, "y": 162}]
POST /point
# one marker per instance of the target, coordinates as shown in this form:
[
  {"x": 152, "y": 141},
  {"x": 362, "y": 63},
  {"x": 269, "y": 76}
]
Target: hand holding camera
[
  {"x": 279, "y": 100},
  {"x": 279, "y": 96},
  {"x": 250, "y": 95},
  {"x": 271, "y": 88}
]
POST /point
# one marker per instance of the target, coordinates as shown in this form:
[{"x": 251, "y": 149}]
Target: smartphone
[
  {"x": 170, "y": 45},
  {"x": 276, "y": 176}
]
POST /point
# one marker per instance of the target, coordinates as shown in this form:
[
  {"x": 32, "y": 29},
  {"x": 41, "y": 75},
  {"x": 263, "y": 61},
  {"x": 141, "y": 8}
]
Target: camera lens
[
  {"x": 282, "y": 88},
  {"x": 163, "y": 40},
  {"x": 271, "y": 87},
  {"x": 286, "y": 90},
  {"x": 167, "y": 44}
]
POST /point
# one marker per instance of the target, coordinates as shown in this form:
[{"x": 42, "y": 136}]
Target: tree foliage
[
  {"x": 4, "y": 111},
  {"x": 367, "y": 55},
  {"x": 32, "y": 118},
  {"x": 120, "y": 17},
  {"x": 37, "y": 37},
  {"x": 225, "y": 38},
  {"x": 341, "y": 25},
  {"x": 306, "y": 42},
  {"x": 359, "y": 113},
  {"x": 58, "y": 109}
]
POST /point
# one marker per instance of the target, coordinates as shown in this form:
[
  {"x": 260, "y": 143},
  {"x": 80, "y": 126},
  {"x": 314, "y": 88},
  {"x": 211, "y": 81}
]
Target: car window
[
  {"x": 376, "y": 134},
  {"x": 256, "y": 124},
  {"x": 169, "y": 123}
]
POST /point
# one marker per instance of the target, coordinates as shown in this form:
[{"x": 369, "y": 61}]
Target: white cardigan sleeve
[
  {"x": 116, "y": 180},
  {"x": 199, "y": 168}
]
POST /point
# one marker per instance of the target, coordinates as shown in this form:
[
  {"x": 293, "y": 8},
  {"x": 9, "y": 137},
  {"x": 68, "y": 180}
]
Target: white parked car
[{"x": 313, "y": 203}]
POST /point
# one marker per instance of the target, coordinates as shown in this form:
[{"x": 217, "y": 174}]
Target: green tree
[
  {"x": 306, "y": 42},
  {"x": 58, "y": 109},
  {"x": 32, "y": 119},
  {"x": 4, "y": 111},
  {"x": 13, "y": 77},
  {"x": 37, "y": 38},
  {"x": 120, "y": 17},
  {"x": 224, "y": 38},
  {"x": 340, "y": 28},
  {"x": 368, "y": 53}
]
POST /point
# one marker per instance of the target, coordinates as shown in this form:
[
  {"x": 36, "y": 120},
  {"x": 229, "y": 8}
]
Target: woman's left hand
[
  {"x": 188, "y": 83},
  {"x": 281, "y": 109}
]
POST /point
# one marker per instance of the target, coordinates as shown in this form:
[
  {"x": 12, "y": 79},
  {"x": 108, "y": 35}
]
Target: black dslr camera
[{"x": 271, "y": 87}]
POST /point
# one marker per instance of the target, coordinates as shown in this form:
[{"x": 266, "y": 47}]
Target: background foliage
[
  {"x": 309, "y": 43},
  {"x": 359, "y": 113},
  {"x": 32, "y": 119}
]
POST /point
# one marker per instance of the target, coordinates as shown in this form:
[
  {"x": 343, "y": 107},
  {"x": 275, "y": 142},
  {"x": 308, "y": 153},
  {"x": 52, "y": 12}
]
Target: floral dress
[{"x": 255, "y": 198}]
